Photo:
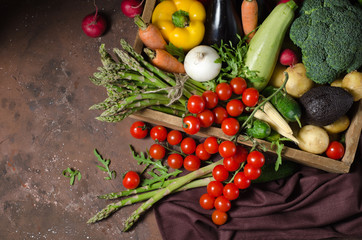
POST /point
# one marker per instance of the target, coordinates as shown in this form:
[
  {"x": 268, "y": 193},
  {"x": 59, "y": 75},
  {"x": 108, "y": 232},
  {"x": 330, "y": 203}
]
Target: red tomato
[
  {"x": 335, "y": 150},
  {"x": 256, "y": 159},
  {"x": 223, "y": 91},
  {"x": 235, "y": 107},
  {"x": 251, "y": 172},
  {"x": 175, "y": 161},
  {"x": 250, "y": 97},
  {"x": 219, "y": 217},
  {"x": 201, "y": 152},
  {"x": 157, "y": 151},
  {"x": 158, "y": 133},
  {"x": 222, "y": 204},
  {"x": 230, "y": 126},
  {"x": 220, "y": 173},
  {"x": 138, "y": 130},
  {"x": 231, "y": 164},
  {"x": 131, "y": 180},
  {"x": 211, "y": 99},
  {"x": 174, "y": 137},
  {"x": 196, "y": 104},
  {"x": 188, "y": 145},
  {"x": 211, "y": 145},
  {"x": 227, "y": 149},
  {"x": 241, "y": 181},
  {"x": 231, "y": 191},
  {"x": 192, "y": 163},
  {"x": 207, "y": 201},
  {"x": 215, "y": 188},
  {"x": 220, "y": 114},
  {"x": 206, "y": 118},
  {"x": 241, "y": 154},
  {"x": 238, "y": 85},
  {"x": 191, "y": 125}
]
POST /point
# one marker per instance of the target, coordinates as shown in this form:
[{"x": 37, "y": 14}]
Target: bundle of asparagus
[{"x": 132, "y": 84}]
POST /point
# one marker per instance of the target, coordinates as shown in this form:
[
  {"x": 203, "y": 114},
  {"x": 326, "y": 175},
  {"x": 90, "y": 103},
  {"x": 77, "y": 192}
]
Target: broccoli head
[{"x": 329, "y": 33}]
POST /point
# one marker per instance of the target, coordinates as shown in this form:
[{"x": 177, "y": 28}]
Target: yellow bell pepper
[{"x": 181, "y": 22}]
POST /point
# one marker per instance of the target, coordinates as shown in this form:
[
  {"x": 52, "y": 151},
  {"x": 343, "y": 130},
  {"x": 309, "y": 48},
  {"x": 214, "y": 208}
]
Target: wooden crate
[{"x": 317, "y": 161}]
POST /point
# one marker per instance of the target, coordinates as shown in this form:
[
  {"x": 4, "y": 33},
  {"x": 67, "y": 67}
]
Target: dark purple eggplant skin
[{"x": 222, "y": 23}]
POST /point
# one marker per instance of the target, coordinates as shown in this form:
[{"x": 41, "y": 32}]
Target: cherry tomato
[
  {"x": 188, "y": 145},
  {"x": 211, "y": 145},
  {"x": 256, "y": 159},
  {"x": 191, "y": 125},
  {"x": 211, "y": 99},
  {"x": 206, "y": 118},
  {"x": 196, "y": 104},
  {"x": 131, "y": 180},
  {"x": 230, "y": 126},
  {"x": 241, "y": 181},
  {"x": 223, "y": 91},
  {"x": 335, "y": 150},
  {"x": 201, "y": 152},
  {"x": 175, "y": 161},
  {"x": 138, "y": 130},
  {"x": 220, "y": 114},
  {"x": 192, "y": 163},
  {"x": 231, "y": 164},
  {"x": 227, "y": 149},
  {"x": 241, "y": 154},
  {"x": 219, "y": 217},
  {"x": 231, "y": 191},
  {"x": 157, "y": 151},
  {"x": 251, "y": 172},
  {"x": 235, "y": 107},
  {"x": 158, "y": 133},
  {"x": 174, "y": 137},
  {"x": 238, "y": 85},
  {"x": 222, "y": 203},
  {"x": 220, "y": 173},
  {"x": 250, "y": 97},
  {"x": 215, "y": 188},
  {"x": 207, "y": 201}
]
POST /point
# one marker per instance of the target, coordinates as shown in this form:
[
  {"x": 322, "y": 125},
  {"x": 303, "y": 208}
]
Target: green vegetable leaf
[
  {"x": 71, "y": 173},
  {"x": 105, "y": 167},
  {"x": 176, "y": 52}
]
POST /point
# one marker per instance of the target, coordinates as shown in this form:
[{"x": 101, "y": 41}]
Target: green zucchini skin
[
  {"x": 284, "y": 103},
  {"x": 264, "y": 47}
]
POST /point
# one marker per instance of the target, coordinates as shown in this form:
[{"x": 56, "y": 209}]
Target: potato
[
  {"x": 338, "y": 126},
  {"x": 278, "y": 76},
  {"x": 313, "y": 139},
  {"x": 298, "y": 82},
  {"x": 337, "y": 83},
  {"x": 352, "y": 82}
]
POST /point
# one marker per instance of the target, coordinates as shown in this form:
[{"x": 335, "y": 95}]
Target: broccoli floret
[{"x": 329, "y": 33}]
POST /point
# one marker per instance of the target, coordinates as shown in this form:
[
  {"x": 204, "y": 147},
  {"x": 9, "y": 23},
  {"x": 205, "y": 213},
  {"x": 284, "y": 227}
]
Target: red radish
[
  {"x": 288, "y": 57},
  {"x": 131, "y": 8},
  {"x": 94, "y": 25}
]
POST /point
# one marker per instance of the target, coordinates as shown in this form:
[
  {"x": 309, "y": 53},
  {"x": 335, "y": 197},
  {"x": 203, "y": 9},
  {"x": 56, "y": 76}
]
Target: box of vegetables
[{"x": 279, "y": 76}]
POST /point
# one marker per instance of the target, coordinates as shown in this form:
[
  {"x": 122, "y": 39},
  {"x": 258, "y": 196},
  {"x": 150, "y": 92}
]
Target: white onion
[{"x": 200, "y": 63}]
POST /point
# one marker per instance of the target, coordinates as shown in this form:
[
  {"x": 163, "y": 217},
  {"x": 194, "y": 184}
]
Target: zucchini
[
  {"x": 288, "y": 107},
  {"x": 264, "y": 47}
]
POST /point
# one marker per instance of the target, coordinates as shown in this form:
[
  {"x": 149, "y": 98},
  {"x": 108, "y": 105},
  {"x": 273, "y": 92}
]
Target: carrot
[
  {"x": 165, "y": 61},
  {"x": 149, "y": 34},
  {"x": 249, "y": 17}
]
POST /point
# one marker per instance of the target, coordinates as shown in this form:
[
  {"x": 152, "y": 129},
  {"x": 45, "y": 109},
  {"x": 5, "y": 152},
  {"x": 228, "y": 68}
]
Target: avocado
[{"x": 323, "y": 105}]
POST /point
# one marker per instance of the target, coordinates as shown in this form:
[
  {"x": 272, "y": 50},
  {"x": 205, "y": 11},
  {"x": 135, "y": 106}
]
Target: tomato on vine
[
  {"x": 157, "y": 151},
  {"x": 231, "y": 191},
  {"x": 231, "y": 164},
  {"x": 238, "y": 85},
  {"x": 256, "y": 159},
  {"x": 219, "y": 217},
  {"x": 211, "y": 145},
  {"x": 174, "y": 137},
  {"x": 251, "y": 172},
  {"x": 202, "y": 153},
  {"x": 188, "y": 145},
  {"x": 227, "y": 149},
  {"x": 235, "y": 107},
  {"x": 191, "y": 125},
  {"x": 220, "y": 173},
  {"x": 158, "y": 133},
  {"x": 223, "y": 91},
  {"x": 220, "y": 114},
  {"x": 335, "y": 150},
  {"x": 241, "y": 181},
  {"x": 196, "y": 104},
  {"x": 131, "y": 180},
  {"x": 175, "y": 161},
  {"x": 206, "y": 201},
  {"x": 250, "y": 97},
  {"x": 138, "y": 130},
  {"x": 240, "y": 154},
  {"x": 230, "y": 126},
  {"x": 222, "y": 204},
  {"x": 215, "y": 188},
  {"x": 211, "y": 99},
  {"x": 192, "y": 162},
  {"x": 206, "y": 118}
]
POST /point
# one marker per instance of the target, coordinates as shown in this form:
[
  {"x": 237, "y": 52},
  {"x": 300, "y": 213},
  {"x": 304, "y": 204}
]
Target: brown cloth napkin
[{"x": 310, "y": 204}]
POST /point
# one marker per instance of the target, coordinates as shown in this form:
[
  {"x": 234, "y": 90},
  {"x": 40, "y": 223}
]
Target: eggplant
[{"x": 222, "y": 23}]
